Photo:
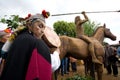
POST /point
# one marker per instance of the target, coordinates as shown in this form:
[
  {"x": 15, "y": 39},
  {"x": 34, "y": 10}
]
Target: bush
[{"x": 78, "y": 77}]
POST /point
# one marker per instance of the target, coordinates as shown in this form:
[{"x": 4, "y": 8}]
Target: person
[
  {"x": 4, "y": 35},
  {"x": 113, "y": 60},
  {"x": 80, "y": 34},
  {"x": 118, "y": 50},
  {"x": 64, "y": 66},
  {"x": 73, "y": 64},
  {"x": 110, "y": 60},
  {"x": 29, "y": 57},
  {"x": 118, "y": 53},
  {"x": 108, "y": 53}
]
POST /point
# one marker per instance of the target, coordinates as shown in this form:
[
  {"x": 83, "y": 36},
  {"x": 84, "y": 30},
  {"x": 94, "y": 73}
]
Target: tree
[
  {"x": 65, "y": 28},
  {"x": 90, "y": 27}
]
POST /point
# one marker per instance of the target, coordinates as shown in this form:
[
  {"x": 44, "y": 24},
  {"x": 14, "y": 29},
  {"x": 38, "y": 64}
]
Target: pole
[{"x": 85, "y": 12}]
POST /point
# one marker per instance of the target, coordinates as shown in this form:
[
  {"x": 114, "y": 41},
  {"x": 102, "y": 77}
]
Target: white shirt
[{"x": 55, "y": 59}]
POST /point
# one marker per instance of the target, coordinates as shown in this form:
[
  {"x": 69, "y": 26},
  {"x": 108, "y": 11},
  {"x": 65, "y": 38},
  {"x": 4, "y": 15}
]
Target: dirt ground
[{"x": 80, "y": 71}]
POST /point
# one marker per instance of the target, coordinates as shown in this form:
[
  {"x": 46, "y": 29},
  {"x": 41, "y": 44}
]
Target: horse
[{"x": 78, "y": 48}]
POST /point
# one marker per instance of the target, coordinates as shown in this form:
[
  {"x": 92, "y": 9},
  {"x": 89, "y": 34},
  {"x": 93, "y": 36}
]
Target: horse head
[{"x": 108, "y": 33}]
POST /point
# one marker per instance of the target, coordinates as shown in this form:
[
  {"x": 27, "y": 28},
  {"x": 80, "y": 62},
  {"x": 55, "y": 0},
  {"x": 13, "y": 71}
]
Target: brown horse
[{"x": 78, "y": 48}]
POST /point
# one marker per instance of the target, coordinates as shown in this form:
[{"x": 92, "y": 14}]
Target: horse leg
[
  {"x": 85, "y": 67},
  {"x": 92, "y": 70},
  {"x": 91, "y": 67},
  {"x": 99, "y": 69}
]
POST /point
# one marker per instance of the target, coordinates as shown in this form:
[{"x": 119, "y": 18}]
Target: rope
[{"x": 85, "y": 12}]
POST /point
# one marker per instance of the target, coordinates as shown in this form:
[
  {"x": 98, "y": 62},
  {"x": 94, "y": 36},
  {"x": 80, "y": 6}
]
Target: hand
[
  {"x": 83, "y": 12},
  {"x": 54, "y": 49},
  {"x": 58, "y": 50}
]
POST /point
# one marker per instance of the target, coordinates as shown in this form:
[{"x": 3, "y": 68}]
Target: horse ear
[{"x": 104, "y": 25}]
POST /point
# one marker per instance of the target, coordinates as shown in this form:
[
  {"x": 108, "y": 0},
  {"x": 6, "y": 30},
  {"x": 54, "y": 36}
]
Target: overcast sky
[{"x": 24, "y": 7}]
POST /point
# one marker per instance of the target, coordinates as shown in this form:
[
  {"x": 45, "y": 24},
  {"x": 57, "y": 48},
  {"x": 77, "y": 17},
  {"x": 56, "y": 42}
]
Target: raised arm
[{"x": 85, "y": 16}]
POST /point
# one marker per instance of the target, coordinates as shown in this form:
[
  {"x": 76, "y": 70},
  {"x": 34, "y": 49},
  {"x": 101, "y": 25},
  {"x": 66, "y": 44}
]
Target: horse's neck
[{"x": 99, "y": 35}]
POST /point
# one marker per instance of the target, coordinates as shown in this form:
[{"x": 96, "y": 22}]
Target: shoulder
[{"x": 25, "y": 38}]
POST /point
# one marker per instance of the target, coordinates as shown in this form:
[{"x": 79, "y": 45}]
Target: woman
[{"x": 29, "y": 57}]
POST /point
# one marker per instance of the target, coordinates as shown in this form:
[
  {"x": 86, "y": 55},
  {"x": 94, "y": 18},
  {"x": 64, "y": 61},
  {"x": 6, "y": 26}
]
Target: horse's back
[{"x": 78, "y": 46}]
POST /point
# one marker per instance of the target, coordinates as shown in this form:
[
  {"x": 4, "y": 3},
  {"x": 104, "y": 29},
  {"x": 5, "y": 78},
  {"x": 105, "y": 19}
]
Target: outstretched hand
[{"x": 83, "y": 12}]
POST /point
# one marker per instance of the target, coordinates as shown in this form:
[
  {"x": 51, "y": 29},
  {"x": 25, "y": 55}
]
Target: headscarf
[{"x": 32, "y": 18}]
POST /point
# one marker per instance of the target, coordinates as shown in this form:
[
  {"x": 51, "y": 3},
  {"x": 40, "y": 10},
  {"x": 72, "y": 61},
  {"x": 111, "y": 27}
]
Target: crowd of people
[{"x": 67, "y": 64}]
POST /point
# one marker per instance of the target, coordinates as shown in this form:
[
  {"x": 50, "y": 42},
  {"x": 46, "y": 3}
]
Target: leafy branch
[{"x": 12, "y": 21}]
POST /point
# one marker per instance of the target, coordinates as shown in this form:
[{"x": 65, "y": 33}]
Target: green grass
[{"x": 78, "y": 77}]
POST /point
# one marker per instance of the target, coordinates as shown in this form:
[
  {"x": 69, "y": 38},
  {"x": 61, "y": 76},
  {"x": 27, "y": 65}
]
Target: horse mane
[{"x": 97, "y": 30}]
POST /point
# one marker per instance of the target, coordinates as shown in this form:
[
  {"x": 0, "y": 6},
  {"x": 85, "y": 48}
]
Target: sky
[{"x": 24, "y": 7}]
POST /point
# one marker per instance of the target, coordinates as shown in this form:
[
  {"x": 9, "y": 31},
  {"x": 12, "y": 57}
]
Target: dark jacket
[{"x": 28, "y": 59}]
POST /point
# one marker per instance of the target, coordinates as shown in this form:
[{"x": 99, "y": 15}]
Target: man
[
  {"x": 108, "y": 52},
  {"x": 113, "y": 60},
  {"x": 110, "y": 60},
  {"x": 29, "y": 58},
  {"x": 80, "y": 34}
]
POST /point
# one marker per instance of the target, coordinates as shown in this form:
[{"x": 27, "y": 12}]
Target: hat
[{"x": 38, "y": 16}]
